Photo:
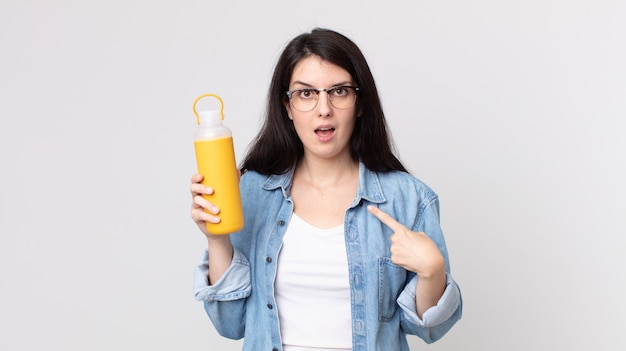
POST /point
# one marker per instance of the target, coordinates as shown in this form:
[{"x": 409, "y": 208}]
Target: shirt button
[
  {"x": 268, "y": 259},
  {"x": 269, "y": 305},
  {"x": 281, "y": 223},
  {"x": 274, "y": 349}
]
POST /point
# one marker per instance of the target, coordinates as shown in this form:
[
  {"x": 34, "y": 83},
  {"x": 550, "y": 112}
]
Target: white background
[{"x": 513, "y": 111}]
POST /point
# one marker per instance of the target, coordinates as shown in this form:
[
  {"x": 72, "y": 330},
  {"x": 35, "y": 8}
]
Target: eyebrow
[{"x": 346, "y": 82}]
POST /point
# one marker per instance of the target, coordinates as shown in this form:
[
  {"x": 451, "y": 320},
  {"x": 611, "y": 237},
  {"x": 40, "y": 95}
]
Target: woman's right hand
[{"x": 199, "y": 204}]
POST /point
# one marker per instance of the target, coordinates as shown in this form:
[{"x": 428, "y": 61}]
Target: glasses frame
[{"x": 317, "y": 94}]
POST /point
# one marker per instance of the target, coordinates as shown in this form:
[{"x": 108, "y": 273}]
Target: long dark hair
[{"x": 277, "y": 148}]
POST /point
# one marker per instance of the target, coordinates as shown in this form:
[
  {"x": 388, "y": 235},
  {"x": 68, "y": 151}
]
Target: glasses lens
[
  {"x": 304, "y": 99},
  {"x": 342, "y": 97}
]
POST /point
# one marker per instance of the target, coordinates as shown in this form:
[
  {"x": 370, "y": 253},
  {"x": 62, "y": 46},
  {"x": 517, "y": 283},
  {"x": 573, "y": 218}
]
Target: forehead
[{"x": 317, "y": 72}]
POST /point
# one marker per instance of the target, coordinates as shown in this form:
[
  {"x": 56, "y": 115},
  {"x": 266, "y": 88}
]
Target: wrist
[
  {"x": 218, "y": 240},
  {"x": 432, "y": 275},
  {"x": 436, "y": 270}
]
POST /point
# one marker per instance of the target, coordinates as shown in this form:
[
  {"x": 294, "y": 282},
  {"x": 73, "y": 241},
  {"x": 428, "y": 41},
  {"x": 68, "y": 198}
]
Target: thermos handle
[{"x": 203, "y": 96}]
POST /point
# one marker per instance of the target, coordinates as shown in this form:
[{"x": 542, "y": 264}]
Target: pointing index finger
[{"x": 385, "y": 218}]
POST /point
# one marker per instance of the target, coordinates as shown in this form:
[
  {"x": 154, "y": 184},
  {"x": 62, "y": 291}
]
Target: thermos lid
[{"x": 209, "y": 117}]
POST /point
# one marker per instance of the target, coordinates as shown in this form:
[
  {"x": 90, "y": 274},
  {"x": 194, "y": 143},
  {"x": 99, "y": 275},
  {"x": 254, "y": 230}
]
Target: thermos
[{"x": 215, "y": 156}]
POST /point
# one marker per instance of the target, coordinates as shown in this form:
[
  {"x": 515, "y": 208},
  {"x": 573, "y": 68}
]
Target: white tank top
[{"x": 313, "y": 290}]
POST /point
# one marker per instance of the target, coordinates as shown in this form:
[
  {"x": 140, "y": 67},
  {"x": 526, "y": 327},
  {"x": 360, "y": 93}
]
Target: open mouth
[{"x": 326, "y": 131}]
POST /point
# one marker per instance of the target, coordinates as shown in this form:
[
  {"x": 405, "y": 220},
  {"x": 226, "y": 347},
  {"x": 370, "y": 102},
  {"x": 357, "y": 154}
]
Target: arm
[
  {"x": 219, "y": 246},
  {"x": 225, "y": 300},
  {"x": 426, "y": 311},
  {"x": 416, "y": 252},
  {"x": 222, "y": 278},
  {"x": 431, "y": 301},
  {"x": 429, "y": 288},
  {"x": 220, "y": 256}
]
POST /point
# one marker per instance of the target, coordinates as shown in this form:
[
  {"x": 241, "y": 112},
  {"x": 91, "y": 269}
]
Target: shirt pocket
[{"x": 391, "y": 278}]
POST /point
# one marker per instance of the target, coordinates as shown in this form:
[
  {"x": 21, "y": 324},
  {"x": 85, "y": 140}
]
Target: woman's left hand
[{"x": 414, "y": 251}]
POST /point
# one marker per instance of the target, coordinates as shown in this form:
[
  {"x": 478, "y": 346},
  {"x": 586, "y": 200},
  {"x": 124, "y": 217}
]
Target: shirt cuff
[
  {"x": 234, "y": 283},
  {"x": 436, "y": 315}
]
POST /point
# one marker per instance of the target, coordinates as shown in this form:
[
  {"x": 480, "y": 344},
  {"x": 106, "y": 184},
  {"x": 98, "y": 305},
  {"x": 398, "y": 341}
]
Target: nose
[{"x": 323, "y": 104}]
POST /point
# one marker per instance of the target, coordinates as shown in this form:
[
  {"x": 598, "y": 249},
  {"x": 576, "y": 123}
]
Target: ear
[{"x": 288, "y": 108}]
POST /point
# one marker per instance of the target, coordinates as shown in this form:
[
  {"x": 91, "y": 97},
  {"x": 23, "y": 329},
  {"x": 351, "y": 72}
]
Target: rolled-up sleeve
[
  {"x": 234, "y": 283},
  {"x": 438, "y": 319}
]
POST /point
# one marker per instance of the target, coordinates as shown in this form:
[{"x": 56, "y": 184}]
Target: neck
[{"x": 327, "y": 172}]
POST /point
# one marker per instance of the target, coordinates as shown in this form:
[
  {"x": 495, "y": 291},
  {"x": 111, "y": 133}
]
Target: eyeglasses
[{"x": 340, "y": 97}]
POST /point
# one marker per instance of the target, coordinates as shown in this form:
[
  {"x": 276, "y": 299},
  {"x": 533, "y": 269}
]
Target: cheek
[
  {"x": 349, "y": 126},
  {"x": 298, "y": 126}
]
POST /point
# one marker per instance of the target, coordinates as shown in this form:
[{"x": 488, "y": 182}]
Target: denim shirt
[{"x": 241, "y": 303}]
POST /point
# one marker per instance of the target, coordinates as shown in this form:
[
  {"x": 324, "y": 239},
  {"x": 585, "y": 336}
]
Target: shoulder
[
  {"x": 253, "y": 177},
  {"x": 252, "y": 181}
]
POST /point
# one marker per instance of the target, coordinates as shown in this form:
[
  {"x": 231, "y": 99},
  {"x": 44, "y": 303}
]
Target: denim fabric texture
[{"x": 241, "y": 304}]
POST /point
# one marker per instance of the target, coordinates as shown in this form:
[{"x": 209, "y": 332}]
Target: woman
[{"x": 342, "y": 247}]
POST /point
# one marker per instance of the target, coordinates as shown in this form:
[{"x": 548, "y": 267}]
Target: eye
[
  {"x": 339, "y": 91},
  {"x": 306, "y": 93}
]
